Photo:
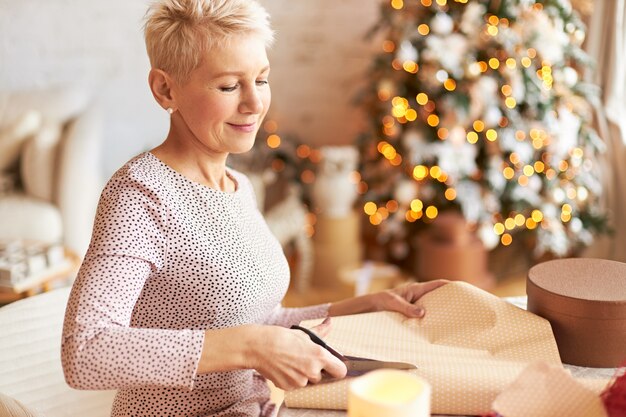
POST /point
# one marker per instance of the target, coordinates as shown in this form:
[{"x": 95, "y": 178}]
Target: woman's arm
[
  {"x": 403, "y": 299},
  {"x": 286, "y": 357}
]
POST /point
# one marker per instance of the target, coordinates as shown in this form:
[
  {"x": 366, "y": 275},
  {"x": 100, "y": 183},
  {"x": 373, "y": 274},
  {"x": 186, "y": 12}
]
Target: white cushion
[
  {"x": 39, "y": 160},
  {"x": 12, "y": 137},
  {"x": 30, "y": 359},
  {"x": 29, "y": 218}
]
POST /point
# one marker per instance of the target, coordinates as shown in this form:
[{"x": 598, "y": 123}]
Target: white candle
[{"x": 389, "y": 393}]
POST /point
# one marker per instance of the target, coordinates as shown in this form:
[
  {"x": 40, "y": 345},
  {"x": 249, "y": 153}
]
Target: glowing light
[
  {"x": 417, "y": 205},
  {"x": 270, "y": 126},
  {"x": 273, "y": 141},
  {"x": 392, "y": 206},
  {"x": 435, "y": 171},
  {"x": 420, "y": 172},
  {"x": 566, "y": 208},
  {"x": 423, "y": 29},
  {"x": 492, "y": 135},
  {"x": 370, "y": 208},
  {"x": 441, "y": 2},
  {"x": 410, "y": 66},
  {"x": 450, "y": 194},
  {"x": 563, "y": 165},
  {"x": 472, "y": 137},
  {"x": 479, "y": 125},
  {"x": 565, "y": 217},
  {"x": 493, "y": 19},
  {"x": 421, "y": 98},
  {"x": 498, "y": 228},
  {"x": 431, "y": 212},
  {"x": 514, "y": 158},
  {"x": 510, "y": 63},
  {"x": 303, "y": 151},
  {"x": 523, "y": 180},
  {"x": 532, "y": 52},
  {"x": 520, "y": 219},
  {"x": 427, "y": 3},
  {"x": 528, "y": 170},
  {"x": 577, "y": 153},
  {"x": 389, "y": 46},
  {"x": 441, "y": 76},
  {"x": 539, "y": 166},
  {"x": 409, "y": 217},
  {"x": 509, "y": 224},
  {"x": 492, "y": 30},
  {"x": 520, "y": 135},
  {"x": 376, "y": 219},
  {"x": 433, "y": 120},
  {"x": 583, "y": 194},
  {"x": 506, "y": 239},
  {"x": 506, "y": 90},
  {"x": 411, "y": 115},
  {"x": 508, "y": 173},
  {"x": 537, "y": 216},
  {"x": 571, "y": 193},
  {"x": 510, "y": 102},
  {"x": 483, "y": 66},
  {"x": 530, "y": 224},
  {"x": 449, "y": 84},
  {"x": 494, "y": 63},
  {"x": 442, "y": 133},
  {"x": 397, "y": 4},
  {"x": 526, "y": 62}
]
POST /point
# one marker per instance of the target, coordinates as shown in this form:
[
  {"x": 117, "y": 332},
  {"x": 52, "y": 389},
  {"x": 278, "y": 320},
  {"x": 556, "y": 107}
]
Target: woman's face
[{"x": 226, "y": 98}]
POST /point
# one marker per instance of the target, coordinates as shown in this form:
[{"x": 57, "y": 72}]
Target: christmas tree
[{"x": 478, "y": 106}]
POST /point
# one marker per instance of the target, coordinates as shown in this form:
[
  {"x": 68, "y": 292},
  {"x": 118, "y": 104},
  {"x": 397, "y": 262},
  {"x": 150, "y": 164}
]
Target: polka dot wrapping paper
[{"x": 470, "y": 346}]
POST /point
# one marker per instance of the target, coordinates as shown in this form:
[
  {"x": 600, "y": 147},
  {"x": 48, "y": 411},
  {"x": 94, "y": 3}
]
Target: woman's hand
[
  {"x": 405, "y": 299},
  {"x": 290, "y": 359}
]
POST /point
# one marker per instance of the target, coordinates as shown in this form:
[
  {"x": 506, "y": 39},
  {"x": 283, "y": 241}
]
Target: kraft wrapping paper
[
  {"x": 553, "y": 392},
  {"x": 469, "y": 347}
]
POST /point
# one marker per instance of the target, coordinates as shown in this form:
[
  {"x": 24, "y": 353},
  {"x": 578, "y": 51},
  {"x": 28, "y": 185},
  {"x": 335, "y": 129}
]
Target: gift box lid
[
  {"x": 585, "y": 302},
  {"x": 581, "y": 287}
]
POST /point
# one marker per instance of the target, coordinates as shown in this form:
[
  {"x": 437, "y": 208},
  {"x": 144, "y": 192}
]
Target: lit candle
[{"x": 389, "y": 393}]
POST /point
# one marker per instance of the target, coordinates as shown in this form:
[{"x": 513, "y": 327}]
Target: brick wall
[{"x": 317, "y": 64}]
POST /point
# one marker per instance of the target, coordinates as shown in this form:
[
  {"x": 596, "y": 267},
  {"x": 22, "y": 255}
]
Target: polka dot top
[{"x": 168, "y": 259}]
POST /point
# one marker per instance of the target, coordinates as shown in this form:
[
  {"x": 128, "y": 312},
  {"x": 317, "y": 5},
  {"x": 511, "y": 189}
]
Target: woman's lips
[{"x": 249, "y": 127}]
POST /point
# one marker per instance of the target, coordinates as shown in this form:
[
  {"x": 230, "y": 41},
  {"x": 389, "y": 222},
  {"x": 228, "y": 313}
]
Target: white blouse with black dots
[{"x": 168, "y": 259}]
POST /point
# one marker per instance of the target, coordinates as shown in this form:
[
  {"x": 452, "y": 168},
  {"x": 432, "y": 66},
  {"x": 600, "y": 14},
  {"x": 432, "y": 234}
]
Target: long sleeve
[
  {"x": 100, "y": 348},
  {"x": 286, "y": 317}
]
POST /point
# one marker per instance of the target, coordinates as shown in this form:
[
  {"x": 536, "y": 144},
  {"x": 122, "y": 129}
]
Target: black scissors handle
[{"x": 317, "y": 340}]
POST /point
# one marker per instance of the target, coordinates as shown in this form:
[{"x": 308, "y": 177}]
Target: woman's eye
[
  {"x": 262, "y": 82},
  {"x": 228, "y": 89}
]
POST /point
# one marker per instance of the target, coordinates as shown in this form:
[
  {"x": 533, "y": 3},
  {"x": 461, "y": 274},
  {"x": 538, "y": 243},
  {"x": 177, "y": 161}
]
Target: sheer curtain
[{"x": 606, "y": 43}]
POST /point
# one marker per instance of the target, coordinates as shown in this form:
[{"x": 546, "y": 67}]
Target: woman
[{"x": 177, "y": 303}]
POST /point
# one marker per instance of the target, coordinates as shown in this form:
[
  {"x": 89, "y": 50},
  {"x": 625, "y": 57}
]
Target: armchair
[{"x": 49, "y": 166}]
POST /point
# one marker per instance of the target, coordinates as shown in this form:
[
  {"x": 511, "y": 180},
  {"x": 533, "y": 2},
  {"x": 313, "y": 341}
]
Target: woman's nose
[{"x": 252, "y": 102}]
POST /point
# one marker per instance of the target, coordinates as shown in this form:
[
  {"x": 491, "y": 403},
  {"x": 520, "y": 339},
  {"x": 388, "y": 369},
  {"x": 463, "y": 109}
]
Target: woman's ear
[{"x": 161, "y": 85}]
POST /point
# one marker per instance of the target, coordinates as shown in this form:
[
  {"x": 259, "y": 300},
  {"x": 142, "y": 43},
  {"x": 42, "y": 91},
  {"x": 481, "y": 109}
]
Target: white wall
[{"x": 316, "y": 64}]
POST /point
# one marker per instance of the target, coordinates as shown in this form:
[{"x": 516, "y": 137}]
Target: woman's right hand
[{"x": 290, "y": 359}]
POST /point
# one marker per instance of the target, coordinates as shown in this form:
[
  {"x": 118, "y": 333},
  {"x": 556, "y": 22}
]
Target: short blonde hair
[{"x": 178, "y": 32}]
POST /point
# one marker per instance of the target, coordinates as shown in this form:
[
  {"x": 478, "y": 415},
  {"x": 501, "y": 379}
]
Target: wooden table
[{"x": 43, "y": 281}]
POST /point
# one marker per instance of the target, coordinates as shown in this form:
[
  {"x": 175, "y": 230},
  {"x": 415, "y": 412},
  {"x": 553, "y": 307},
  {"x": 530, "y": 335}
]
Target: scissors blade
[{"x": 355, "y": 365}]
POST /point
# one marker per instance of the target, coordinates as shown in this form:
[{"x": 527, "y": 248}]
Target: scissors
[{"x": 356, "y": 365}]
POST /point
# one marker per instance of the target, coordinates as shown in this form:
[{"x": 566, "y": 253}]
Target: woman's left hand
[{"x": 405, "y": 299}]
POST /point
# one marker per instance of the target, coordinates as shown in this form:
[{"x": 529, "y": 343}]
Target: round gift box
[{"x": 585, "y": 302}]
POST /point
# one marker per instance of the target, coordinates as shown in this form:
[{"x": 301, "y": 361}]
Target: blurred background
[{"x": 432, "y": 139}]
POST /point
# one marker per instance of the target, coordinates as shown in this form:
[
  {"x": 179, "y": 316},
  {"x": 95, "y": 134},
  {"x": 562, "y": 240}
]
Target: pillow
[
  {"x": 12, "y": 408},
  {"x": 39, "y": 162},
  {"x": 13, "y": 136}
]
